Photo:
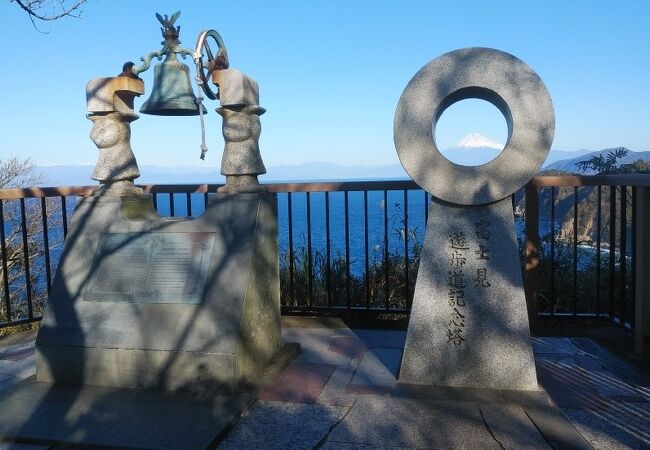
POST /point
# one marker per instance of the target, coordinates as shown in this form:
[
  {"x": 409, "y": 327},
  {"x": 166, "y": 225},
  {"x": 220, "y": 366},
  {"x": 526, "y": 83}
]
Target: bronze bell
[{"x": 172, "y": 93}]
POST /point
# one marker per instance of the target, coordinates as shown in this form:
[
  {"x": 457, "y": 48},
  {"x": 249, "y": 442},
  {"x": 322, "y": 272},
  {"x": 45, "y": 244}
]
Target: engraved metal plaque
[{"x": 150, "y": 267}]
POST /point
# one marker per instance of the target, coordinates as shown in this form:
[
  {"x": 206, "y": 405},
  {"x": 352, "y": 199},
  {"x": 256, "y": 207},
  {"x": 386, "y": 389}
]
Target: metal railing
[{"x": 353, "y": 247}]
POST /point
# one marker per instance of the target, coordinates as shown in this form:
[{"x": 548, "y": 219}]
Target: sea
[{"x": 395, "y": 218}]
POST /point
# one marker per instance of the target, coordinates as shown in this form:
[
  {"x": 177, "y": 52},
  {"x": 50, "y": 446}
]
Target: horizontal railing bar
[
  {"x": 590, "y": 180},
  {"x": 640, "y": 180},
  {"x": 38, "y": 192},
  {"x": 343, "y": 186}
]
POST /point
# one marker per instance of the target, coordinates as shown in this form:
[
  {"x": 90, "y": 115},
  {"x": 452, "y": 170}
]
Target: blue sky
[{"x": 330, "y": 73}]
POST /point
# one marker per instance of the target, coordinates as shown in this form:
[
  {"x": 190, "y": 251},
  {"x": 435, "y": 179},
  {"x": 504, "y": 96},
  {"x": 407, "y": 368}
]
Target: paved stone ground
[{"x": 341, "y": 393}]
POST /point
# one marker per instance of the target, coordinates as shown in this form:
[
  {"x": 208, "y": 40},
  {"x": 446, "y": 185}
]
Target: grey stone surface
[
  {"x": 314, "y": 348},
  {"x": 241, "y": 162},
  {"x": 614, "y": 364},
  {"x": 512, "y": 428},
  {"x": 395, "y": 339},
  {"x": 114, "y": 418},
  {"x": 111, "y": 133},
  {"x": 334, "y": 391},
  {"x": 276, "y": 425},
  {"x": 485, "y": 396},
  {"x": 236, "y": 88},
  {"x": 491, "y": 75},
  {"x": 224, "y": 339},
  {"x": 351, "y": 446},
  {"x": 378, "y": 368},
  {"x": 112, "y": 94},
  {"x": 9, "y": 382},
  {"x": 23, "y": 368},
  {"x": 557, "y": 431},
  {"x": 110, "y": 104},
  {"x": 625, "y": 425},
  {"x": 468, "y": 325},
  {"x": 609, "y": 385},
  {"x": 554, "y": 345},
  {"x": 413, "y": 423}
]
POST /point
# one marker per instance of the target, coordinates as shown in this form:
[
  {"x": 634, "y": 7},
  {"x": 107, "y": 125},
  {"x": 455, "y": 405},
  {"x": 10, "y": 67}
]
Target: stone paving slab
[
  {"x": 133, "y": 418},
  {"x": 486, "y": 396},
  {"x": 512, "y": 428},
  {"x": 397, "y": 422},
  {"x": 606, "y": 399},
  {"x": 17, "y": 351},
  {"x": 607, "y": 384},
  {"x": 557, "y": 430},
  {"x": 554, "y": 345},
  {"x": 314, "y": 348},
  {"x": 280, "y": 425},
  {"x": 91, "y": 416},
  {"x": 395, "y": 339},
  {"x": 23, "y": 368},
  {"x": 377, "y": 372},
  {"x": 621, "y": 368},
  {"x": 334, "y": 392},
  {"x": 301, "y": 382},
  {"x": 627, "y": 425},
  {"x": 350, "y": 346},
  {"x": 348, "y": 446},
  {"x": 568, "y": 386}
]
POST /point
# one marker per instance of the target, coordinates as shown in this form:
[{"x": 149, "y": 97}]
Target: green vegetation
[
  {"x": 597, "y": 292},
  {"x": 382, "y": 286}
]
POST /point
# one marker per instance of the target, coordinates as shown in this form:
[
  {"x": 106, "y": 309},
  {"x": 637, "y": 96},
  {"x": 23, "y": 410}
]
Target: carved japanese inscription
[
  {"x": 150, "y": 267},
  {"x": 467, "y": 258}
]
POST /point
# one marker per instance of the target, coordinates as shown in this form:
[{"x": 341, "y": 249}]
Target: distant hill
[
  {"x": 79, "y": 175},
  {"x": 331, "y": 171},
  {"x": 571, "y": 164},
  {"x": 559, "y": 155},
  {"x": 76, "y": 175},
  {"x": 470, "y": 149}
]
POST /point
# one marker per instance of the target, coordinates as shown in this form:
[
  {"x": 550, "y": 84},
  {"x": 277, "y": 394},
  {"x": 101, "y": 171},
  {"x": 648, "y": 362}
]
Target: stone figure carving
[
  {"x": 111, "y": 133},
  {"x": 241, "y": 162},
  {"x": 110, "y": 106}
]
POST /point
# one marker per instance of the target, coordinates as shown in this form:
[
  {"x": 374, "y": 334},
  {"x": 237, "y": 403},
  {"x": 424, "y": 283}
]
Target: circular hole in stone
[{"x": 471, "y": 132}]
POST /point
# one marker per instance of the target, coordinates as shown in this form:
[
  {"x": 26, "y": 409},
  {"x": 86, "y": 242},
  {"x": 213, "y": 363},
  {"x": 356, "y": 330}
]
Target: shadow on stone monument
[
  {"x": 158, "y": 331},
  {"x": 469, "y": 326}
]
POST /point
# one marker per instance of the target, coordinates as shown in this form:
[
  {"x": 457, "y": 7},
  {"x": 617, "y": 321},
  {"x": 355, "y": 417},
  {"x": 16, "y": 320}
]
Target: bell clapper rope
[{"x": 199, "y": 102}]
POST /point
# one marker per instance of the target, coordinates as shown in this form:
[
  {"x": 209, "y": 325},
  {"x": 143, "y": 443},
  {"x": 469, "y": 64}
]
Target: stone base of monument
[
  {"x": 85, "y": 416},
  {"x": 469, "y": 322},
  {"x": 189, "y": 310},
  {"x": 141, "y": 301}
]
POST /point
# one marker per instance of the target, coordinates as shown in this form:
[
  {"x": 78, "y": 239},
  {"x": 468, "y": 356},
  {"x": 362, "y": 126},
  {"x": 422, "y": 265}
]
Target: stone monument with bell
[
  {"x": 469, "y": 325},
  {"x": 142, "y": 301}
]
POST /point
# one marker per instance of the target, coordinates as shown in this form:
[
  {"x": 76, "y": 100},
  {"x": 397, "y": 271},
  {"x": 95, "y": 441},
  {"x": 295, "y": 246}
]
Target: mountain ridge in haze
[{"x": 466, "y": 152}]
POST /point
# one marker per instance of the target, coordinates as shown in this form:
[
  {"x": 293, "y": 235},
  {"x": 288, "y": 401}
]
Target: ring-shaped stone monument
[
  {"x": 469, "y": 324},
  {"x": 482, "y": 73}
]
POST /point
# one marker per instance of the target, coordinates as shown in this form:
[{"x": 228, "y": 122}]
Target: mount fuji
[{"x": 472, "y": 150}]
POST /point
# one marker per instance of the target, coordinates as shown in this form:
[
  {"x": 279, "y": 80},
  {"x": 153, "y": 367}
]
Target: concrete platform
[{"x": 341, "y": 392}]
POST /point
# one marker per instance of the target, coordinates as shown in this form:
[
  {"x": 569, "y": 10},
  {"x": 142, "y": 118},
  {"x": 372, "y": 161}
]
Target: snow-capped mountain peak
[{"x": 475, "y": 140}]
